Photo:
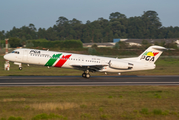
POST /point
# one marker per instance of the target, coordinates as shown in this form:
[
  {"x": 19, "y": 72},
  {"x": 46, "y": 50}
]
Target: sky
[{"x": 45, "y": 13}]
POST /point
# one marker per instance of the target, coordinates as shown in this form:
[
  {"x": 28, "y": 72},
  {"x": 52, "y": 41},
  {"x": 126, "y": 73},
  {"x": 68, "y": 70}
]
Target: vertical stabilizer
[{"x": 151, "y": 54}]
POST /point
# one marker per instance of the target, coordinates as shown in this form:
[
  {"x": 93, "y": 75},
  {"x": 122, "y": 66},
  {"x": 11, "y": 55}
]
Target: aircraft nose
[{"x": 6, "y": 57}]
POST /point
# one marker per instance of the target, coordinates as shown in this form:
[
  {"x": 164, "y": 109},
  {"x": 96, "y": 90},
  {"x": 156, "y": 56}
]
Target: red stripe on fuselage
[{"x": 62, "y": 60}]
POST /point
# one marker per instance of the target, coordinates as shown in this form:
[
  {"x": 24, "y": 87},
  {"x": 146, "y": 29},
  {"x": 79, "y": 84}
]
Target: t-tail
[{"x": 151, "y": 54}]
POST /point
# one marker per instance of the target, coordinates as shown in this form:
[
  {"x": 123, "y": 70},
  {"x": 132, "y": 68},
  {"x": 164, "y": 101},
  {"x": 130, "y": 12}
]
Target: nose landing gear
[
  {"x": 20, "y": 68},
  {"x": 20, "y": 65}
]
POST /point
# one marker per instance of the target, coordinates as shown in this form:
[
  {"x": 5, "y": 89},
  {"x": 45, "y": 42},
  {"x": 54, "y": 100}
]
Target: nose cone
[{"x": 6, "y": 57}]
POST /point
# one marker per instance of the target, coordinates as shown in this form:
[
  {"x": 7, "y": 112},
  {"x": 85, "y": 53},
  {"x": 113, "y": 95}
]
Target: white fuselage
[{"x": 69, "y": 60}]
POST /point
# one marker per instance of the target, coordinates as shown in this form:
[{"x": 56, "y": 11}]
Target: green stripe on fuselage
[{"x": 53, "y": 59}]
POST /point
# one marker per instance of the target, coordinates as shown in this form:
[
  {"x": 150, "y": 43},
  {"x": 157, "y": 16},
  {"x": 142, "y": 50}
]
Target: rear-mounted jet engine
[{"x": 120, "y": 65}]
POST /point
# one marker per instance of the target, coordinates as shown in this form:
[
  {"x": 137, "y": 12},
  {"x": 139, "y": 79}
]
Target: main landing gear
[{"x": 86, "y": 74}]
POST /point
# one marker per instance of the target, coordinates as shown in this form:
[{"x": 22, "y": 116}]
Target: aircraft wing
[{"x": 90, "y": 67}]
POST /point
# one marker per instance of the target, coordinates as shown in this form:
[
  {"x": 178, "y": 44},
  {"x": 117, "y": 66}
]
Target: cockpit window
[{"x": 17, "y": 52}]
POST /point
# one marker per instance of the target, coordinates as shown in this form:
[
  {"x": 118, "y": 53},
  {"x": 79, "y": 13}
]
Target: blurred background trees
[{"x": 146, "y": 26}]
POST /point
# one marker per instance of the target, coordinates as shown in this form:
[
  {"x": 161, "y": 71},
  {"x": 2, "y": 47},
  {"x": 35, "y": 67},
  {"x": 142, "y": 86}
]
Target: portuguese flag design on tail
[{"x": 60, "y": 62}]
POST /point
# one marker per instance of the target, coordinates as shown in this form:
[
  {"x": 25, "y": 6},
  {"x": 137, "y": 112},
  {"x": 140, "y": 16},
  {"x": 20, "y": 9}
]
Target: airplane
[{"x": 86, "y": 63}]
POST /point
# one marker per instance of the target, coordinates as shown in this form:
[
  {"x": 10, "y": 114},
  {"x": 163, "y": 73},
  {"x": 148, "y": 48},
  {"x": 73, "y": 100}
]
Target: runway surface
[{"x": 93, "y": 81}]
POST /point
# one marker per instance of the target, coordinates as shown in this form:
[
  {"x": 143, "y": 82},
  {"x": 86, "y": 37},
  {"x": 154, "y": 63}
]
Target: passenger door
[{"x": 25, "y": 55}]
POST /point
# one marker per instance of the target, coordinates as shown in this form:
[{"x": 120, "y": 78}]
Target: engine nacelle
[{"x": 120, "y": 65}]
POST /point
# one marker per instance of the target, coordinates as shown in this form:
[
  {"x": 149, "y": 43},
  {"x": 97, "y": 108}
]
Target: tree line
[{"x": 146, "y": 26}]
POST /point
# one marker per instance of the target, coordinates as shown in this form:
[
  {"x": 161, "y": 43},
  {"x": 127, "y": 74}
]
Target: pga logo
[
  {"x": 149, "y": 56},
  {"x": 35, "y": 51}
]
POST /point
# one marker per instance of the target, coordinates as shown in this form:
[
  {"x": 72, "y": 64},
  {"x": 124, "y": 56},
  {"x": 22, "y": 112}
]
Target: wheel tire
[
  {"x": 84, "y": 75},
  {"x": 20, "y": 68},
  {"x": 88, "y": 76}
]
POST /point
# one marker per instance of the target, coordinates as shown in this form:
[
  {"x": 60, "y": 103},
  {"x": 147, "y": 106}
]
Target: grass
[
  {"x": 165, "y": 66},
  {"x": 89, "y": 103}
]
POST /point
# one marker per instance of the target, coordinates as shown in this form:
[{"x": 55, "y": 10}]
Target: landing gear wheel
[
  {"x": 84, "y": 75},
  {"x": 88, "y": 75},
  {"x": 20, "y": 68}
]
